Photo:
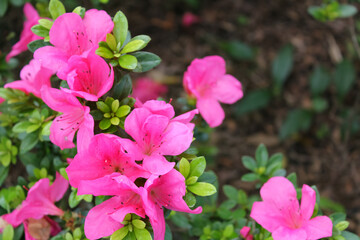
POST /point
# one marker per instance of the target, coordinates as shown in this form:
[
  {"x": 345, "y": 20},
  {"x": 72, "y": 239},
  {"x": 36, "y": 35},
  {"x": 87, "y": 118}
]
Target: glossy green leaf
[
  {"x": 3, "y": 7},
  {"x": 128, "y": 62},
  {"x": 184, "y": 167},
  {"x": 197, "y": 166},
  {"x": 46, "y": 23},
  {"x": 104, "y": 124},
  {"x": 34, "y": 45},
  {"x": 29, "y": 142},
  {"x": 202, "y": 189},
  {"x": 120, "y": 27},
  {"x": 123, "y": 88},
  {"x": 56, "y": 8},
  {"x": 104, "y": 52},
  {"x": 120, "y": 234},
  {"x": 111, "y": 41},
  {"x": 146, "y": 61},
  {"x": 133, "y": 45}
]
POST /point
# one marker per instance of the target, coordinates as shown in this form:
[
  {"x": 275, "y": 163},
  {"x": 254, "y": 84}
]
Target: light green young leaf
[
  {"x": 56, "y": 8},
  {"x": 120, "y": 27}
]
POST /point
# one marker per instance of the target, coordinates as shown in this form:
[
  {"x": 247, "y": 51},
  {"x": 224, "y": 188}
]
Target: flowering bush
[{"x": 131, "y": 160}]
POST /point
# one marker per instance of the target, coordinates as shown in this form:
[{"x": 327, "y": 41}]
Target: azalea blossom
[
  {"x": 207, "y": 81},
  {"x": 33, "y": 77},
  {"x": 27, "y": 36},
  {"x": 34, "y": 209},
  {"x": 245, "y": 233},
  {"x": 71, "y": 35},
  {"x": 165, "y": 191},
  {"x": 189, "y": 19},
  {"x": 147, "y": 89},
  {"x": 281, "y": 214},
  {"x": 88, "y": 76},
  {"x": 105, "y": 156},
  {"x": 156, "y": 134},
  {"x": 75, "y": 117}
]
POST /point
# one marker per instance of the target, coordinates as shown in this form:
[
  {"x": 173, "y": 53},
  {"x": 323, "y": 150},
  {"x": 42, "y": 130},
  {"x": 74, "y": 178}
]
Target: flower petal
[
  {"x": 157, "y": 164},
  {"x": 318, "y": 227},
  {"x": 86, "y": 131},
  {"x": 228, "y": 89},
  {"x": 160, "y": 108},
  {"x": 211, "y": 111},
  {"x": 267, "y": 216},
  {"x": 97, "y": 24},
  {"x": 308, "y": 201},
  {"x": 58, "y": 188},
  {"x": 51, "y": 57},
  {"x": 284, "y": 233}
]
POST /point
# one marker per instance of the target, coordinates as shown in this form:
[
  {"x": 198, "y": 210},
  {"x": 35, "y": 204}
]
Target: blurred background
[{"x": 298, "y": 65}]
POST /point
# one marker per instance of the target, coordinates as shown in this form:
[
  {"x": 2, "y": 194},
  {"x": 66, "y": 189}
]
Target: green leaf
[
  {"x": 282, "y": 65},
  {"x": 35, "y": 45},
  {"x": 181, "y": 221},
  {"x": 123, "y": 111},
  {"x": 189, "y": 181},
  {"x": 4, "y": 171},
  {"x": 103, "y": 107},
  {"x": 228, "y": 231},
  {"x": 249, "y": 177},
  {"x": 146, "y": 61},
  {"x": 346, "y": 10},
  {"x": 115, "y": 121},
  {"x": 111, "y": 41},
  {"x": 190, "y": 199},
  {"x": 197, "y": 166},
  {"x": 104, "y": 124},
  {"x": 115, "y": 105},
  {"x": 254, "y": 100},
  {"x": 3, "y": 7},
  {"x": 74, "y": 200},
  {"x": 142, "y": 234},
  {"x": 261, "y": 155},
  {"x": 168, "y": 233},
  {"x": 297, "y": 120},
  {"x": 33, "y": 128},
  {"x": 104, "y": 52},
  {"x": 128, "y": 62},
  {"x": 120, "y": 234},
  {"x": 120, "y": 27},
  {"x": 145, "y": 38},
  {"x": 80, "y": 11},
  {"x": 249, "y": 163},
  {"x": 46, "y": 23},
  {"x": 133, "y": 45},
  {"x": 350, "y": 236},
  {"x": 8, "y": 232},
  {"x": 230, "y": 192},
  {"x": 319, "y": 104},
  {"x": 137, "y": 223},
  {"x": 29, "y": 142},
  {"x": 344, "y": 78},
  {"x": 238, "y": 50},
  {"x": 319, "y": 80},
  {"x": 293, "y": 179},
  {"x": 56, "y": 8},
  {"x": 21, "y": 127},
  {"x": 123, "y": 88},
  {"x": 184, "y": 167},
  {"x": 202, "y": 189}
]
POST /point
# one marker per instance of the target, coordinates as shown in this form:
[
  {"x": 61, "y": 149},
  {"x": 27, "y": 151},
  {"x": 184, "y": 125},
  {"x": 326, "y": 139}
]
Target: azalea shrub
[{"x": 86, "y": 156}]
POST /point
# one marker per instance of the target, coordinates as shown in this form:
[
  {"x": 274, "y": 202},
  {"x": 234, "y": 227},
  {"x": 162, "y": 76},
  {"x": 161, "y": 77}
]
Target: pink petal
[
  {"x": 99, "y": 223},
  {"x": 51, "y": 57},
  {"x": 69, "y": 34},
  {"x": 134, "y": 122},
  {"x": 59, "y": 101},
  {"x": 280, "y": 192},
  {"x": 211, "y": 111},
  {"x": 97, "y": 24},
  {"x": 157, "y": 164},
  {"x": 58, "y": 188},
  {"x": 30, "y": 12},
  {"x": 318, "y": 227},
  {"x": 152, "y": 130},
  {"x": 20, "y": 85},
  {"x": 267, "y": 216},
  {"x": 176, "y": 139},
  {"x": 169, "y": 190},
  {"x": 61, "y": 134},
  {"x": 284, "y": 233},
  {"x": 105, "y": 185},
  {"x": 160, "y": 108},
  {"x": 86, "y": 131},
  {"x": 228, "y": 89},
  {"x": 308, "y": 201},
  {"x": 186, "y": 117}
]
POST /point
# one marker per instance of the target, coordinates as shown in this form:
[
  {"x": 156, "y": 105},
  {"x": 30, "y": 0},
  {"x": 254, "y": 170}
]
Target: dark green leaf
[
  {"x": 319, "y": 80},
  {"x": 29, "y": 142},
  {"x": 3, "y": 7},
  {"x": 168, "y": 233},
  {"x": 4, "y": 171},
  {"x": 297, "y": 120},
  {"x": 253, "y": 101},
  {"x": 146, "y": 61},
  {"x": 34, "y": 45},
  {"x": 261, "y": 155},
  {"x": 238, "y": 50},
  {"x": 181, "y": 221},
  {"x": 282, "y": 65},
  {"x": 249, "y": 177},
  {"x": 350, "y": 236},
  {"x": 230, "y": 192},
  {"x": 40, "y": 30},
  {"x": 344, "y": 78},
  {"x": 123, "y": 88}
]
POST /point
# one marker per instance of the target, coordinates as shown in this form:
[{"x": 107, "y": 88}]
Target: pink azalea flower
[
  {"x": 147, "y": 89},
  {"x": 33, "y": 76},
  {"x": 88, "y": 76},
  {"x": 72, "y": 35},
  {"x": 27, "y": 36},
  {"x": 38, "y": 204},
  {"x": 245, "y": 233},
  {"x": 280, "y": 213},
  {"x": 206, "y": 80},
  {"x": 105, "y": 156},
  {"x": 189, "y": 19},
  {"x": 156, "y": 134},
  {"x": 75, "y": 117},
  {"x": 165, "y": 191}
]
